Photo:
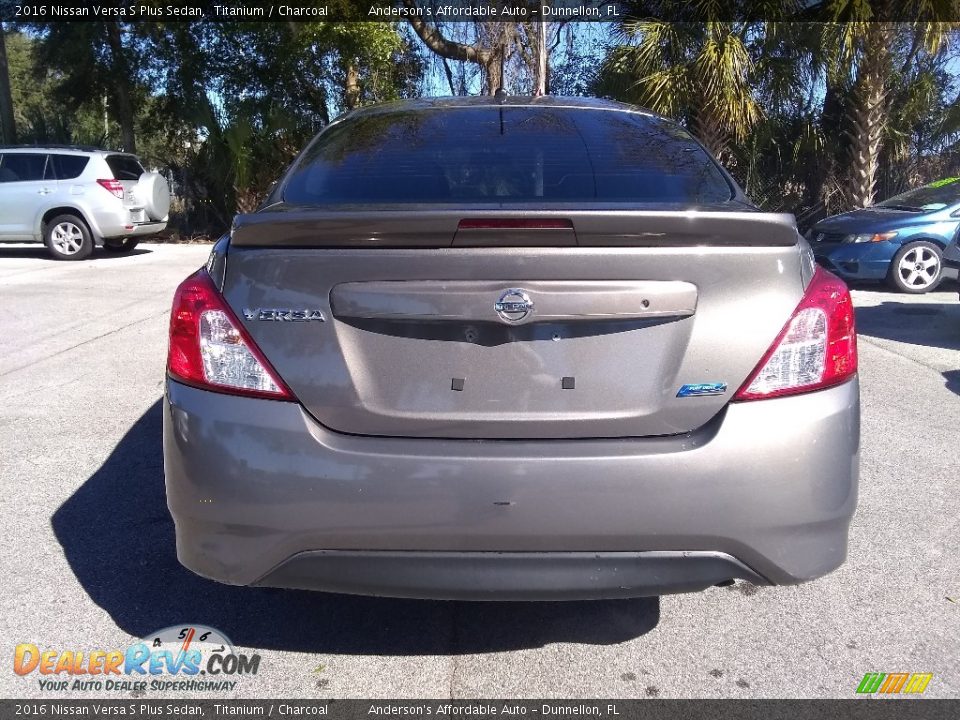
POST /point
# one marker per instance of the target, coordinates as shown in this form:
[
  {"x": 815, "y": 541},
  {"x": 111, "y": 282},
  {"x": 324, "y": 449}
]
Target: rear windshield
[
  {"x": 935, "y": 196},
  {"x": 125, "y": 167},
  {"x": 505, "y": 155}
]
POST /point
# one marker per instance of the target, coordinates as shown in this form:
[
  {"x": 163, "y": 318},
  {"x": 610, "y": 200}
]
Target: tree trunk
[
  {"x": 485, "y": 57},
  {"x": 867, "y": 116},
  {"x": 710, "y": 131},
  {"x": 121, "y": 84},
  {"x": 493, "y": 73},
  {"x": 8, "y": 123},
  {"x": 351, "y": 86},
  {"x": 821, "y": 178}
]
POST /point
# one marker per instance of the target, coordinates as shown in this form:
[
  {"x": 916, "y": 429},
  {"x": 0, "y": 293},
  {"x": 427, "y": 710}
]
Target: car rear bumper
[
  {"x": 147, "y": 228},
  {"x": 112, "y": 223},
  {"x": 262, "y": 494},
  {"x": 507, "y": 575},
  {"x": 134, "y": 230}
]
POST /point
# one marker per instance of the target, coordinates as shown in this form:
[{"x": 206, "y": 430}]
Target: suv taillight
[
  {"x": 112, "y": 186},
  {"x": 210, "y": 349},
  {"x": 816, "y": 349}
]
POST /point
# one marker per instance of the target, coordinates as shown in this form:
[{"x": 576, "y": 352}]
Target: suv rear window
[
  {"x": 68, "y": 167},
  {"x": 504, "y": 155},
  {"x": 17, "y": 167},
  {"x": 125, "y": 167}
]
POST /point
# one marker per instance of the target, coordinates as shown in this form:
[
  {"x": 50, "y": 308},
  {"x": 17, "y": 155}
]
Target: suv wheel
[
  {"x": 916, "y": 267},
  {"x": 120, "y": 246},
  {"x": 67, "y": 238}
]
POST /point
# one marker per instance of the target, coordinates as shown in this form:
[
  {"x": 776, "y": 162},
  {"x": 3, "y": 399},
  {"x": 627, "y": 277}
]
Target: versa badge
[{"x": 283, "y": 315}]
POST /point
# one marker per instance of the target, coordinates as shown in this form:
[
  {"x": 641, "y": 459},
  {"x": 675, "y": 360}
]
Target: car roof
[
  {"x": 551, "y": 101},
  {"x": 69, "y": 149}
]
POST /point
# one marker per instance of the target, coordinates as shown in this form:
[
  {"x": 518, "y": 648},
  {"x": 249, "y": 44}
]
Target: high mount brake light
[
  {"x": 816, "y": 349},
  {"x": 514, "y": 224},
  {"x": 210, "y": 349}
]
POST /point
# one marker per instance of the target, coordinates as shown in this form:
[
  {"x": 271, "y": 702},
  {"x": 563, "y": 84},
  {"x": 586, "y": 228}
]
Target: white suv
[{"x": 72, "y": 198}]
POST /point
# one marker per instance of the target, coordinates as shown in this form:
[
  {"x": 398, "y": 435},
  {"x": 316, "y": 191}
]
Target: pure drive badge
[
  {"x": 700, "y": 389},
  {"x": 283, "y": 315}
]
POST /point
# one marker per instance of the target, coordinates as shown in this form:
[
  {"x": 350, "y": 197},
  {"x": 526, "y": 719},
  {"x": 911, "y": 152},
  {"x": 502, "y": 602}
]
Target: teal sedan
[{"x": 901, "y": 240}]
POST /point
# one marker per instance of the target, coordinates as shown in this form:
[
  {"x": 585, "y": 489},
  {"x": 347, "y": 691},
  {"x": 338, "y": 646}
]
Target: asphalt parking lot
[{"x": 88, "y": 556}]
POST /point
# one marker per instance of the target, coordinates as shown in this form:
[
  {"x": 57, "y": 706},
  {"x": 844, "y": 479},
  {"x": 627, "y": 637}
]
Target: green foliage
[
  {"x": 703, "y": 72},
  {"x": 576, "y": 76},
  {"x": 41, "y": 112},
  {"x": 782, "y": 102},
  {"x": 222, "y": 106},
  {"x": 225, "y": 106}
]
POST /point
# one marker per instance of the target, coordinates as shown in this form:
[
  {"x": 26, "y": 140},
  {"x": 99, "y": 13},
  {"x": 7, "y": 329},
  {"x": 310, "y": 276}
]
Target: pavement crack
[
  {"x": 20, "y": 273},
  {"x": 866, "y": 339},
  {"x": 83, "y": 342}
]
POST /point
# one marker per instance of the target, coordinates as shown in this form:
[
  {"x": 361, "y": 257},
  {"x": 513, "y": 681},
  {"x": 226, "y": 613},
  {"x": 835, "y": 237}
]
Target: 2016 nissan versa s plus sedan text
[{"x": 504, "y": 348}]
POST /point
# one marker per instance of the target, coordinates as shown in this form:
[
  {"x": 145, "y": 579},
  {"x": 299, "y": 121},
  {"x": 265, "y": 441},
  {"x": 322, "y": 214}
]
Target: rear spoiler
[{"x": 430, "y": 227}]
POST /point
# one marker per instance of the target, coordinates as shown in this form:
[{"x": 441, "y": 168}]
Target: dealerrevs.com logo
[{"x": 193, "y": 658}]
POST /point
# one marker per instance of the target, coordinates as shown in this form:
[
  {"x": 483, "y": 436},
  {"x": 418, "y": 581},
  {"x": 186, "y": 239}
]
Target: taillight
[
  {"x": 816, "y": 349},
  {"x": 210, "y": 349},
  {"x": 112, "y": 186}
]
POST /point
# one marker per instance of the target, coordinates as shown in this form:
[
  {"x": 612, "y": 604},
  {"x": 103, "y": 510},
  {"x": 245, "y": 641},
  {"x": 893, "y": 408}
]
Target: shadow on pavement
[
  {"x": 934, "y": 324},
  {"x": 118, "y": 538},
  {"x": 948, "y": 284},
  {"x": 39, "y": 252},
  {"x": 953, "y": 381}
]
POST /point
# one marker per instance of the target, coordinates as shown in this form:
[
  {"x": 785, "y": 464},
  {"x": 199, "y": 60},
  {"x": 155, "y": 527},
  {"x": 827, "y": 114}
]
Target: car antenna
[{"x": 501, "y": 97}]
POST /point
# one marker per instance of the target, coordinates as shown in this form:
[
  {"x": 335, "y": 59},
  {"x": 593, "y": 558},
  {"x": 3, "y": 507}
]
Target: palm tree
[
  {"x": 695, "y": 71},
  {"x": 8, "y": 126},
  {"x": 700, "y": 71},
  {"x": 865, "y": 39}
]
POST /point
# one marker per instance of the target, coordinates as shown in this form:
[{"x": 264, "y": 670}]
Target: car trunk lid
[{"x": 588, "y": 328}]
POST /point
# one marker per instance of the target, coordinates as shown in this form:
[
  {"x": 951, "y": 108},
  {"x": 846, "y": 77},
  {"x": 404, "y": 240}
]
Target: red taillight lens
[
  {"x": 112, "y": 186},
  {"x": 210, "y": 349},
  {"x": 816, "y": 349}
]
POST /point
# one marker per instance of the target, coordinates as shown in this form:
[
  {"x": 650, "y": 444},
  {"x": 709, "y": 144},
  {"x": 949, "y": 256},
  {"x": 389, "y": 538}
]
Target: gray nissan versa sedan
[{"x": 510, "y": 348}]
